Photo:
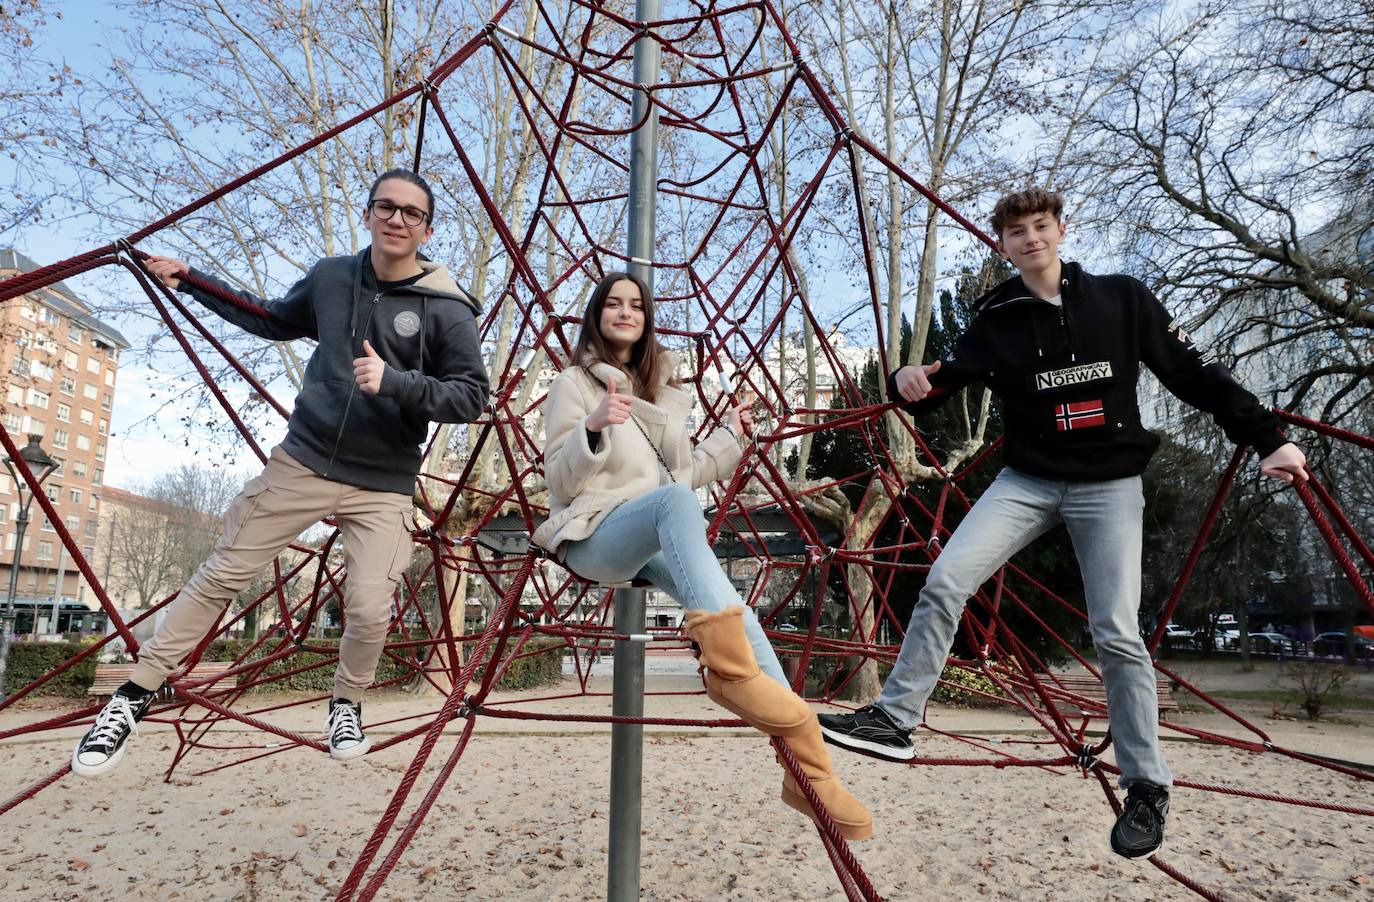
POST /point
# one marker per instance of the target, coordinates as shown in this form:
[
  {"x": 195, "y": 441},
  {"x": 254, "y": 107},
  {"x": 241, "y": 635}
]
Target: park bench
[
  {"x": 109, "y": 677},
  {"x": 1092, "y": 690}
]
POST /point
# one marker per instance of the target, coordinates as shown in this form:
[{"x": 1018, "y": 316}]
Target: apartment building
[{"x": 58, "y": 371}]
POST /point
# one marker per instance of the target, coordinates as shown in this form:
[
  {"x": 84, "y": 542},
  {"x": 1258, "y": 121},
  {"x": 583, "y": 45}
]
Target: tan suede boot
[
  {"x": 733, "y": 678},
  {"x": 848, "y": 813}
]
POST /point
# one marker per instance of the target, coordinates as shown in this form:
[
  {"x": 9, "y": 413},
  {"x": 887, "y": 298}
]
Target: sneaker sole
[
  {"x": 1139, "y": 853},
  {"x": 867, "y": 746},
  {"x": 349, "y": 754},
  {"x": 99, "y": 770}
]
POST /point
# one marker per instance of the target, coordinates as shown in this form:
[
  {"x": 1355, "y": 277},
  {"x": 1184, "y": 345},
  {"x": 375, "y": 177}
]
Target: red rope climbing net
[{"x": 724, "y": 98}]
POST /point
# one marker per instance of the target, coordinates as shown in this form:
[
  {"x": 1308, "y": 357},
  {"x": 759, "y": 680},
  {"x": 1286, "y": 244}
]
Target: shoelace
[
  {"x": 116, "y": 715},
  {"x": 345, "y": 726}
]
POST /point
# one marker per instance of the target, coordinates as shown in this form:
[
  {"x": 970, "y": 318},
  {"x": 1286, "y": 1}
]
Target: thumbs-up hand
[
  {"x": 613, "y": 409},
  {"x": 913, "y": 382},
  {"x": 368, "y": 370}
]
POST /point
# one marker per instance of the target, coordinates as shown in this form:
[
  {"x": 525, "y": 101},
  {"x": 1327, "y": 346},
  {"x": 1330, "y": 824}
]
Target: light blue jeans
[
  {"x": 1104, "y": 523},
  {"x": 661, "y": 537}
]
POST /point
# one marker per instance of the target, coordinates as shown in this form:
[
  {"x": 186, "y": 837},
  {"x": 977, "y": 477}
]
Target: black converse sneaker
[
  {"x": 1140, "y": 828},
  {"x": 104, "y": 745},
  {"x": 869, "y": 730},
  {"x": 345, "y": 728}
]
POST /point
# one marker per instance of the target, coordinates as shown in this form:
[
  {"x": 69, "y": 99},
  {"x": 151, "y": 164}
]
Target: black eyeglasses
[{"x": 384, "y": 210}]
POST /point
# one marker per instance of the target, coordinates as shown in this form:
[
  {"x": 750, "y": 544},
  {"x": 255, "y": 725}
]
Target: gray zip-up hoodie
[{"x": 427, "y": 334}]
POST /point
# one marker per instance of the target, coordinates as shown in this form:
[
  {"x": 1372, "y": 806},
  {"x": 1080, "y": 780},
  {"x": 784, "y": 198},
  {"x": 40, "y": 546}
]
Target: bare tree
[{"x": 166, "y": 529}]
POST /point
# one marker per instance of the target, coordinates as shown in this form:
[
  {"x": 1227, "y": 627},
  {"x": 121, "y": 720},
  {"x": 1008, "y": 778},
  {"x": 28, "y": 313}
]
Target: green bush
[
  {"x": 524, "y": 673},
  {"x": 30, "y": 660},
  {"x": 964, "y": 698}
]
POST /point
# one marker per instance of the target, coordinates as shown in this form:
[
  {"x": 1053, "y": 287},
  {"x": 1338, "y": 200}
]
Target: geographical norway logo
[
  {"x": 1079, "y": 415},
  {"x": 406, "y": 323},
  {"x": 1074, "y": 375}
]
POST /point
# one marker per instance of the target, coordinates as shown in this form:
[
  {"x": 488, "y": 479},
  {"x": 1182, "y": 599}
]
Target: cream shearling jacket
[{"x": 586, "y": 485}]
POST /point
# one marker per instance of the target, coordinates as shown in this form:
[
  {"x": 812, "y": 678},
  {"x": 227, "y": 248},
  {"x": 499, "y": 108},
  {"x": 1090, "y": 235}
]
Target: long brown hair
[{"x": 646, "y": 353}]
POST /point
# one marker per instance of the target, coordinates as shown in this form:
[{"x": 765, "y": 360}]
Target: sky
[{"x": 146, "y": 438}]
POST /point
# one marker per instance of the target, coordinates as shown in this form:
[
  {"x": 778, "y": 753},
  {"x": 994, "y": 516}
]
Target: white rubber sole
[
  {"x": 867, "y": 747},
  {"x": 352, "y": 752},
  {"x": 99, "y": 770}
]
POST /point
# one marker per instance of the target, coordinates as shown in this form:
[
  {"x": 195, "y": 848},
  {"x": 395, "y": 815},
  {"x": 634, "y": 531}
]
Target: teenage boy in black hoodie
[
  {"x": 1063, "y": 348},
  {"x": 398, "y": 348}
]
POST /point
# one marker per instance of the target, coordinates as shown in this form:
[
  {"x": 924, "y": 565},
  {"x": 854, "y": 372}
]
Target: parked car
[
  {"x": 1226, "y": 640},
  {"x": 1178, "y": 635},
  {"x": 1273, "y": 644},
  {"x": 1333, "y": 644}
]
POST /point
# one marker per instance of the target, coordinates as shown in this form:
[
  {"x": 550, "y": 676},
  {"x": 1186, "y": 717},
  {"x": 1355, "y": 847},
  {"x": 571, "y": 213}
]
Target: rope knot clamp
[
  {"x": 124, "y": 248},
  {"x": 1085, "y": 758},
  {"x": 845, "y": 134},
  {"x": 428, "y": 87},
  {"x": 489, "y": 28}
]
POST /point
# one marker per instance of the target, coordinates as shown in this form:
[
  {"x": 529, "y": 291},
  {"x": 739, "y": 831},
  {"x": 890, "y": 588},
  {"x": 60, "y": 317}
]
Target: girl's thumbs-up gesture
[
  {"x": 613, "y": 409},
  {"x": 367, "y": 370}
]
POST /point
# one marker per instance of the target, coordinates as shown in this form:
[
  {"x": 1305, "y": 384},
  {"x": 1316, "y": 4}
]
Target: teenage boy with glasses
[
  {"x": 1062, "y": 348},
  {"x": 397, "y": 350}
]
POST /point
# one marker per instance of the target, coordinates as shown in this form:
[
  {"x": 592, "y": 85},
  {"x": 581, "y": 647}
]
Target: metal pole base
[{"x": 627, "y": 750}]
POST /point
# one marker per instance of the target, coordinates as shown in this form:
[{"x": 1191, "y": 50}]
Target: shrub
[
  {"x": 949, "y": 692},
  {"x": 1317, "y": 681},
  {"x": 30, "y": 660}
]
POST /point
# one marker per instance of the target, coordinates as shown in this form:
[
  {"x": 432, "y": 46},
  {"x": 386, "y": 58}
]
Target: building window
[
  {"x": 12, "y": 422},
  {"x": 104, "y": 426},
  {"x": 70, "y": 360},
  {"x": 100, "y": 451},
  {"x": 64, "y": 413},
  {"x": 95, "y": 502},
  {"x": 44, "y": 551},
  {"x": 92, "y": 365},
  {"x": 50, "y": 317},
  {"x": 14, "y": 395},
  {"x": 83, "y": 443},
  {"x": 79, "y": 469},
  {"x": 106, "y": 401},
  {"x": 38, "y": 399},
  {"x": 90, "y": 391},
  {"x": 68, "y": 385},
  {"x": 53, "y": 492},
  {"x": 73, "y": 525},
  {"x": 76, "y": 334},
  {"x": 98, "y": 475},
  {"x": 40, "y": 370},
  {"x": 60, "y": 438},
  {"x": 29, "y": 310},
  {"x": 37, "y": 427},
  {"x": 20, "y": 365},
  {"x": 109, "y": 378},
  {"x": 4, "y": 513},
  {"x": 47, "y": 525},
  {"x": 87, "y": 417},
  {"x": 77, "y": 495},
  {"x": 92, "y": 526},
  {"x": 61, "y": 462}
]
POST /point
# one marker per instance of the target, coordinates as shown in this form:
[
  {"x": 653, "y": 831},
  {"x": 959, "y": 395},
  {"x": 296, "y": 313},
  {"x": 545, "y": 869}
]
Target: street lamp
[{"x": 42, "y": 466}]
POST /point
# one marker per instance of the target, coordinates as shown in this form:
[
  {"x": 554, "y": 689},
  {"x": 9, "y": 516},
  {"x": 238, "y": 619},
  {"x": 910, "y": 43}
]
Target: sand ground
[{"x": 524, "y": 815}]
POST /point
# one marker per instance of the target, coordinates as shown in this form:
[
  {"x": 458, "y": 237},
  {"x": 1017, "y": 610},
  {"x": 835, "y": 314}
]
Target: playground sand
[{"x": 524, "y": 817}]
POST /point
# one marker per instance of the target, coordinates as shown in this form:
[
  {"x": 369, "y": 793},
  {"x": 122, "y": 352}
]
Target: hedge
[{"x": 30, "y": 660}]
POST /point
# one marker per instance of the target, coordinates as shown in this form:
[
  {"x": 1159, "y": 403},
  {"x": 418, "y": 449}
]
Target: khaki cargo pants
[{"x": 270, "y": 512}]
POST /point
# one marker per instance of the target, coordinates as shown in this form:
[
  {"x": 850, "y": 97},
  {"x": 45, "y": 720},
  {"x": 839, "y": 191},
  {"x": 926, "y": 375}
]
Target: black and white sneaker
[
  {"x": 345, "y": 728},
  {"x": 868, "y": 730},
  {"x": 104, "y": 745},
  {"x": 1140, "y": 828}
]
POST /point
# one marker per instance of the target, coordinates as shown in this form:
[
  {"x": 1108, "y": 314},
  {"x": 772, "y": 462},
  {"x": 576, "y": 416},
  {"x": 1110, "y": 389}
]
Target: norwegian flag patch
[{"x": 1079, "y": 415}]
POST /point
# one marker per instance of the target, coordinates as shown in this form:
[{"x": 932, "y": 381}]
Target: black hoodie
[
  {"x": 1067, "y": 376},
  {"x": 425, "y": 331}
]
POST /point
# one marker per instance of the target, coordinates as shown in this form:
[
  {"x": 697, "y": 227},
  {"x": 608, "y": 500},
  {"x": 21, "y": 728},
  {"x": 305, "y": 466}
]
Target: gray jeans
[{"x": 1104, "y": 523}]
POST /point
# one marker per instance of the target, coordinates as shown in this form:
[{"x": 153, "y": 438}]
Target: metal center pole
[
  {"x": 7, "y": 621},
  {"x": 627, "y": 740}
]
